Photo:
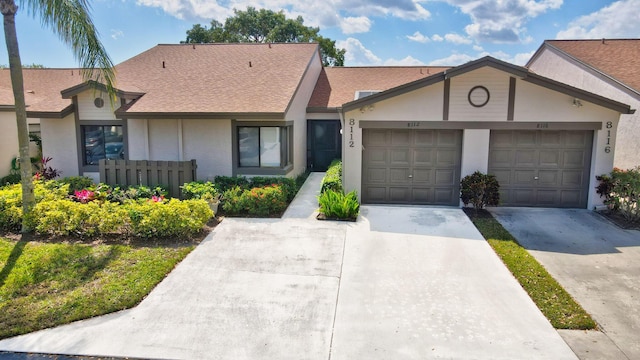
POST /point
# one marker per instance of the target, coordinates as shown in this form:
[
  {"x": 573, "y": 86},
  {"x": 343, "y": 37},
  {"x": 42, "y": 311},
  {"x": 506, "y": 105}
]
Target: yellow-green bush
[
  {"x": 172, "y": 218},
  {"x": 65, "y": 217},
  {"x": 11, "y": 200}
]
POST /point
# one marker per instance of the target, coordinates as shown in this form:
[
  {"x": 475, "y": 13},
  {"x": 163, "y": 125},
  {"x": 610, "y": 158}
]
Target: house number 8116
[{"x": 607, "y": 148}]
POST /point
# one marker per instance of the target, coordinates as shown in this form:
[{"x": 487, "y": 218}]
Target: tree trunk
[{"x": 8, "y": 9}]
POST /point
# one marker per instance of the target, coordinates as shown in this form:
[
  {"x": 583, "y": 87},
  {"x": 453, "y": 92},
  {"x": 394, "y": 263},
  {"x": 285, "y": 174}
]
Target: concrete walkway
[
  {"x": 597, "y": 263},
  {"x": 401, "y": 283}
]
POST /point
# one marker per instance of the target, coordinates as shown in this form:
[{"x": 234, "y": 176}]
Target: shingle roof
[
  {"x": 338, "y": 85},
  {"x": 618, "y": 58},
  {"x": 216, "y": 78},
  {"x": 42, "y": 88}
]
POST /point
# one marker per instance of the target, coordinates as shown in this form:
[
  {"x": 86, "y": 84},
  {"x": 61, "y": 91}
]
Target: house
[
  {"x": 407, "y": 135},
  {"x": 609, "y": 67}
]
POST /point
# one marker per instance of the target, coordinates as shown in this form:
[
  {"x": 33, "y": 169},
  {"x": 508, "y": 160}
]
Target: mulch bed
[{"x": 619, "y": 220}]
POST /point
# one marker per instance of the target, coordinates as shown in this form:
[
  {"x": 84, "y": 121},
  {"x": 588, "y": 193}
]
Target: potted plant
[{"x": 212, "y": 200}]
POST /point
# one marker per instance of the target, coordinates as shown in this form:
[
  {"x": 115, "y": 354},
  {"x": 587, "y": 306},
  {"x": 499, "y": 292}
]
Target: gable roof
[
  {"x": 488, "y": 61},
  {"x": 618, "y": 59},
  {"x": 42, "y": 90},
  {"x": 338, "y": 85},
  {"x": 215, "y": 79}
]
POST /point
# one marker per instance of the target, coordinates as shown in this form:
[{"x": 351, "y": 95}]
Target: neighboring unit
[{"x": 608, "y": 67}]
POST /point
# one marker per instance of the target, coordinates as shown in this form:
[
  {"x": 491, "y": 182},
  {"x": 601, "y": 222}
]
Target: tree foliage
[{"x": 265, "y": 26}]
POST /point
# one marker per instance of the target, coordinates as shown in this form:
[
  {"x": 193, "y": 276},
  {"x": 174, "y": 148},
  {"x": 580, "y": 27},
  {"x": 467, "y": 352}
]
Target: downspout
[{"x": 342, "y": 143}]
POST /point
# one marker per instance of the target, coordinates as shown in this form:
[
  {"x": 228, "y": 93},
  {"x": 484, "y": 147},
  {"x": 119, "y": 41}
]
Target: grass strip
[
  {"x": 49, "y": 284},
  {"x": 552, "y": 299}
]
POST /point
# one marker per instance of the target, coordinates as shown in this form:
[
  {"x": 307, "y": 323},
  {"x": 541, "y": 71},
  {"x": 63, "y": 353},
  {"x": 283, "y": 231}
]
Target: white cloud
[
  {"x": 502, "y": 21},
  {"x": 477, "y": 48},
  {"x": 453, "y": 60},
  {"x": 350, "y": 15},
  {"x": 116, "y": 34},
  {"x": 357, "y": 54},
  {"x": 354, "y": 25},
  {"x": 437, "y": 38},
  {"x": 457, "y": 39},
  {"x": 408, "y": 61},
  {"x": 418, "y": 37},
  {"x": 618, "y": 20}
]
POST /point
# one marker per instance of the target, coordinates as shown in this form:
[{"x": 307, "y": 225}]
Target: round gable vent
[
  {"x": 478, "y": 96},
  {"x": 98, "y": 102}
]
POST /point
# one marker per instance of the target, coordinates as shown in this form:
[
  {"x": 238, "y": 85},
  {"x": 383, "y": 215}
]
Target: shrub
[
  {"x": 121, "y": 196},
  {"x": 173, "y": 218},
  {"x": 224, "y": 183},
  {"x": 480, "y": 190},
  {"x": 621, "y": 191},
  {"x": 11, "y": 201},
  {"x": 198, "y": 190},
  {"x": 10, "y": 179},
  {"x": 337, "y": 205},
  {"x": 259, "y": 201},
  {"x": 66, "y": 217},
  {"x": 77, "y": 183},
  {"x": 287, "y": 185},
  {"x": 333, "y": 177}
]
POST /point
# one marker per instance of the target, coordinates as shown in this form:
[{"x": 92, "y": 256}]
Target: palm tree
[{"x": 71, "y": 21}]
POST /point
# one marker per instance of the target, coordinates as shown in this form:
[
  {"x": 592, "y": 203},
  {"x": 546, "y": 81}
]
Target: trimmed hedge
[
  {"x": 333, "y": 177},
  {"x": 259, "y": 201}
]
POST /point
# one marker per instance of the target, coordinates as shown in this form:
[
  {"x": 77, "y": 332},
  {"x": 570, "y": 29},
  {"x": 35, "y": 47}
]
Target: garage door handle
[
  {"x": 535, "y": 178},
  {"x": 410, "y": 176}
]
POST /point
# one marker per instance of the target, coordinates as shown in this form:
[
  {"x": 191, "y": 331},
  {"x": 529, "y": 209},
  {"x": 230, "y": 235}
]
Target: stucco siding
[
  {"x": 138, "y": 139},
  {"x": 561, "y": 68},
  {"x": 297, "y": 113},
  {"x": 209, "y": 142},
  {"x": 59, "y": 142},
  {"x": 9, "y": 145},
  {"x": 164, "y": 140},
  {"x": 424, "y": 104},
  {"x": 497, "y": 82}
]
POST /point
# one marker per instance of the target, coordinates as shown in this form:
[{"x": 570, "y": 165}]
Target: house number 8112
[{"x": 351, "y": 142}]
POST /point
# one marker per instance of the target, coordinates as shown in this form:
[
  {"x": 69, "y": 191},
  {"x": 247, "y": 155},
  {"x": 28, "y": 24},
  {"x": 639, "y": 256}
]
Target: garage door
[
  {"x": 541, "y": 168},
  {"x": 411, "y": 166}
]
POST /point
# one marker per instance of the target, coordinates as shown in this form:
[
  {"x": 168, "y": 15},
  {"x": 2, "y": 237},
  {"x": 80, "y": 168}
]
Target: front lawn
[
  {"x": 552, "y": 299},
  {"x": 45, "y": 284}
]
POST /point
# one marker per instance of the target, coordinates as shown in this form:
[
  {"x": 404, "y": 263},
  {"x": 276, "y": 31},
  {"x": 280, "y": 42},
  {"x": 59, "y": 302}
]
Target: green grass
[
  {"x": 46, "y": 284},
  {"x": 552, "y": 299}
]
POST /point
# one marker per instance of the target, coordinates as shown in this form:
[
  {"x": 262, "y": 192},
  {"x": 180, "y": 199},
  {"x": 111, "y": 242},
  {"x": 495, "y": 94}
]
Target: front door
[{"x": 324, "y": 143}]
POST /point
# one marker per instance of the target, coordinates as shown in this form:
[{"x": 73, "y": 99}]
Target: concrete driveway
[
  {"x": 401, "y": 283},
  {"x": 597, "y": 263}
]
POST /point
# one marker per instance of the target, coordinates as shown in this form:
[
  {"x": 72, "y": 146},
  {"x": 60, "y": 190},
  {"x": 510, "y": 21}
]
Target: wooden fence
[{"x": 168, "y": 174}]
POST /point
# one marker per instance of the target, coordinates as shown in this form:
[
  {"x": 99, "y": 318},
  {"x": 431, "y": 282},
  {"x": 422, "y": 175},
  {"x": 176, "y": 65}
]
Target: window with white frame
[{"x": 264, "y": 146}]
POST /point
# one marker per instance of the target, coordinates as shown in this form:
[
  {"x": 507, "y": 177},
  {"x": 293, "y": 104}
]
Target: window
[
  {"x": 101, "y": 142},
  {"x": 264, "y": 146}
]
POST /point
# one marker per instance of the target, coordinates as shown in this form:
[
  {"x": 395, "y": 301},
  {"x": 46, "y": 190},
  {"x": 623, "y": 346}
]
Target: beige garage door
[
  {"x": 541, "y": 168},
  {"x": 411, "y": 166}
]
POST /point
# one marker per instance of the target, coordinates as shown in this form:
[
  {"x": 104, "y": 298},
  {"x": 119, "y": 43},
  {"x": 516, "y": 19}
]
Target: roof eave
[
  {"x": 200, "y": 115},
  {"x": 94, "y": 85},
  {"x": 322, "y": 109}
]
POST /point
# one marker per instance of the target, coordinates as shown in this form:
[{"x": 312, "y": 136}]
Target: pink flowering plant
[{"x": 83, "y": 196}]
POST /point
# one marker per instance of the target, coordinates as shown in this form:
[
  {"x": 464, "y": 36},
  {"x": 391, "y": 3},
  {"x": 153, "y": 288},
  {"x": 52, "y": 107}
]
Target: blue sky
[{"x": 374, "y": 32}]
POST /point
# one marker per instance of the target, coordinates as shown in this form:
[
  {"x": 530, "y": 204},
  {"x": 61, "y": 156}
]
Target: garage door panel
[
  {"x": 423, "y": 176},
  {"x": 447, "y": 157},
  {"x": 400, "y": 138},
  {"x": 423, "y": 157},
  {"x": 399, "y": 175},
  {"x": 377, "y": 175},
  {"x": 574, "y": 159},
  {"x": 523, "y": 177},
  {"x": 405, "y": 166},
  {"x": 525, "y": 158},
  {"x": 400, "y": 157},
  {"x": 548, "y": 178},
  {"x": 524, "y": 138},
  {"x": 377, "y": 157},
  {"x": 399, "y": 195},
  {"x": 502, "y": 158},
  {"x": 550, "y": 158},
  {"x": 541, "y": 167},
  {"x": 572, "y": 178},
  {"x": 424, "y": 138},
  {"x": 377, "y": 138}
]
